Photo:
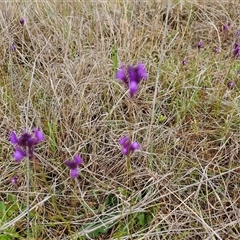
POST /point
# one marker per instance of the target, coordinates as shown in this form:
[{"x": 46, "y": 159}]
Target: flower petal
[
  {"x": 38, "y": 135},
  {"x": 13, "y": 138},
  {"x": 135, "y": 146},
  {"x": 132, "y": 72},
  {"x": 141, "y": 71},
  {"x": 71, "y": 164},
  {"x": 121, "y": 74},
  {"x": 74, "y": 173},
  {"x": 123, "y": 141},
  {"x": 125, "y": 151},
  {"x": 133, "y": 87},
  {"x": 78, "y": 160},
  {"x": 19, "y": 154}
]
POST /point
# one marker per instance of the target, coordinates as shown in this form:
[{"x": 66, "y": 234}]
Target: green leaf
[
  {"x": 141, "y": 219},
  {"x": 161, "y": 118},
  {"x": 121, "y": 231},
  {"x": 4, "y": 237},
  {"x": 115, "y": 58},
  {"x": 2, "y": 208}
]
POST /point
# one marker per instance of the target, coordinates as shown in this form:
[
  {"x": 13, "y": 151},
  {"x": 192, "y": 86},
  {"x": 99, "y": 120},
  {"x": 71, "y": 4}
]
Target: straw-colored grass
[{"x": 61, "y": 78}]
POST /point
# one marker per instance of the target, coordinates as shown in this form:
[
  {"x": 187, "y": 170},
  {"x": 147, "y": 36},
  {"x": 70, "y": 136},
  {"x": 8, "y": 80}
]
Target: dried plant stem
[
  {"x": 129, "y": 194},
  {"x": 28, "y": 197}
]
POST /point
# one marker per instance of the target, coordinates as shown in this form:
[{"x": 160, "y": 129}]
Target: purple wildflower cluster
[
  {"x": 129, "y": 75},
  {"x": 24, "y": 147},
  {"x": 132, "y": 76},
  {"x": 25, "y": 144}
]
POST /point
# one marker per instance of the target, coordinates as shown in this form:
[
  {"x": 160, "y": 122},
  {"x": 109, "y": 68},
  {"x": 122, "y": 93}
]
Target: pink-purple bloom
[
  {"x": 226, "y": 27},
  {"x": 22, "y": 21},
  {"x": 128, "y": 146},
  {"x": 184, "y": 62},
  {"x": 236, "y": 50},
  {"x": 216, "y": 49},
  {"x": 230, "y": 84},
  {"x": 25, "y": 144},
  {"x": 73, "y": 165},
  {"x": 14, "y": 180},
  {"x": 132, "y": 76},
  {"x": 13, "y": 48},
  {"x": 200, "y": 44}
]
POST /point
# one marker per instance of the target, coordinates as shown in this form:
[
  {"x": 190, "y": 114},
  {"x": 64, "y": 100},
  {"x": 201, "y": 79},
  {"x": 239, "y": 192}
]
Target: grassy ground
[{"x": 185, "y": 179}]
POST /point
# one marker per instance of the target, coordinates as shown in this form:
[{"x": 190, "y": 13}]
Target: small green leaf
[
  {"x": 2, "y": 208},
  {"x": 5, "y": 237},
  {"x": 115, "y": 58},
  {"x": 141, "y": 219},
  {"x": 161, "y": 118}
]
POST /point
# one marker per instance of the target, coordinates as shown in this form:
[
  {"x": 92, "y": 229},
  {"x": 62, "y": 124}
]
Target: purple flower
[
  {"x": 73, "y": 165},
  {"x": 184, "y": 62},
  {"x": 238, "y": 33},
  {"x": 216, "y": 49},
  {"x": 236, "y": 50},
  {"x": 230, "y": 84},
  {"x": 128, "y": 146},
  {"x": 13, "y": 48},
  {"x": 22, "y": 21},
  {"x": 14, "y": 180},
  {"x": 200, "y": 45},
  {"x": 132, "y": 76},
  {"x": 25, "y": 144},
  {"x": 226, "y": 27}
]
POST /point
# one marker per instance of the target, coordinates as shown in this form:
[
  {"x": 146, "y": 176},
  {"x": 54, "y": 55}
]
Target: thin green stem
[{"x": 129, "y": 173}]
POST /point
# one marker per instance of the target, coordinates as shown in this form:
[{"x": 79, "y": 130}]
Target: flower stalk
[{"x": 24, "y": 147}]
